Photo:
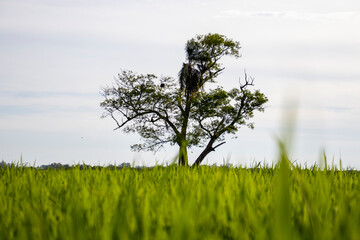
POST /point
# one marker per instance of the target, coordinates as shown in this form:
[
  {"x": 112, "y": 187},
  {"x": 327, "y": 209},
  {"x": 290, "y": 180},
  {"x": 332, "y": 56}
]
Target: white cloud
[{"x": 294, "y": 15}]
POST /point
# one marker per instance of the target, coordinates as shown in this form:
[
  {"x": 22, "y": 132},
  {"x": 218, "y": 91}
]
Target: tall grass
[{"x": 284, "y": 202}]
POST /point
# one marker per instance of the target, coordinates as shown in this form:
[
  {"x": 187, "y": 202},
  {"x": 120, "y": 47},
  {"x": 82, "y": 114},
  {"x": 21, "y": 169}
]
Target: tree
[{"x": 162, "y": 110}]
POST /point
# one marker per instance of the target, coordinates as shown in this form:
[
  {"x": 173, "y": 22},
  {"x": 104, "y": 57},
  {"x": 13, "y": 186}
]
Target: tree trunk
[
  {"x": 183, "y": 155},
  {"x": 209, "y": 148}
]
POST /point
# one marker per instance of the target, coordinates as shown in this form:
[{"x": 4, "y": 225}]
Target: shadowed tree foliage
[{"x": 162, "y": 110}]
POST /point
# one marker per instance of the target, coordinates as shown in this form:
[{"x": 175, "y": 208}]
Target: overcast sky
[{"x": 56, "y": 56}]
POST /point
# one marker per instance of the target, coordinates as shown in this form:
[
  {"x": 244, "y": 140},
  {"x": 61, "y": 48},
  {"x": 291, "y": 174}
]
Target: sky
[{"x": 57, "y": 55}]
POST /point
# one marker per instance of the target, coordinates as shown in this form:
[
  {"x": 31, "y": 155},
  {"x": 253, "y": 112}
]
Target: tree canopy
[{"x": 164, "y": 110}]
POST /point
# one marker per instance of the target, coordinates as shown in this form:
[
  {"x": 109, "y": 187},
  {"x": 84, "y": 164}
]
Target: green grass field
[{"x": 179, "y": 203}]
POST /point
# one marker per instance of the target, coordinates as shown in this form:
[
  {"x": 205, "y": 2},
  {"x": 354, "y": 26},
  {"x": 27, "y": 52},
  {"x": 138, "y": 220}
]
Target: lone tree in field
[{"x": 162, "y": 110}]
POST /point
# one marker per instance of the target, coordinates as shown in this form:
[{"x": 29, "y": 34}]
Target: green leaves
[
  {"x": 210, "y": 47},
  {"x": 143, "y": 104},
  {"x": 222, "y": 112},
  {"x": 204, "y": 52}
]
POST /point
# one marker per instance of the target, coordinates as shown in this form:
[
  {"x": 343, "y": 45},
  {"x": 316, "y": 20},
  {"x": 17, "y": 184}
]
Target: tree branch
[
  {"x": 203, "y": 127},
  {"x": 213, "y": 149},
  {"x": 247, "y": 82}
]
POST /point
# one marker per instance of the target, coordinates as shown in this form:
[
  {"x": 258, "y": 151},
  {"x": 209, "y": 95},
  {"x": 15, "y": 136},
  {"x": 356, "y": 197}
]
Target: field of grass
[{"x": 179, "y": 203}]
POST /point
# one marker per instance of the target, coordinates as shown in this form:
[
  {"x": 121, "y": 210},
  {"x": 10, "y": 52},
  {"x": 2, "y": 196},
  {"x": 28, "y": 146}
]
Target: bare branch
[
  {"x": 248, "y": 82},
  {"x": 213, "y": 149}
]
